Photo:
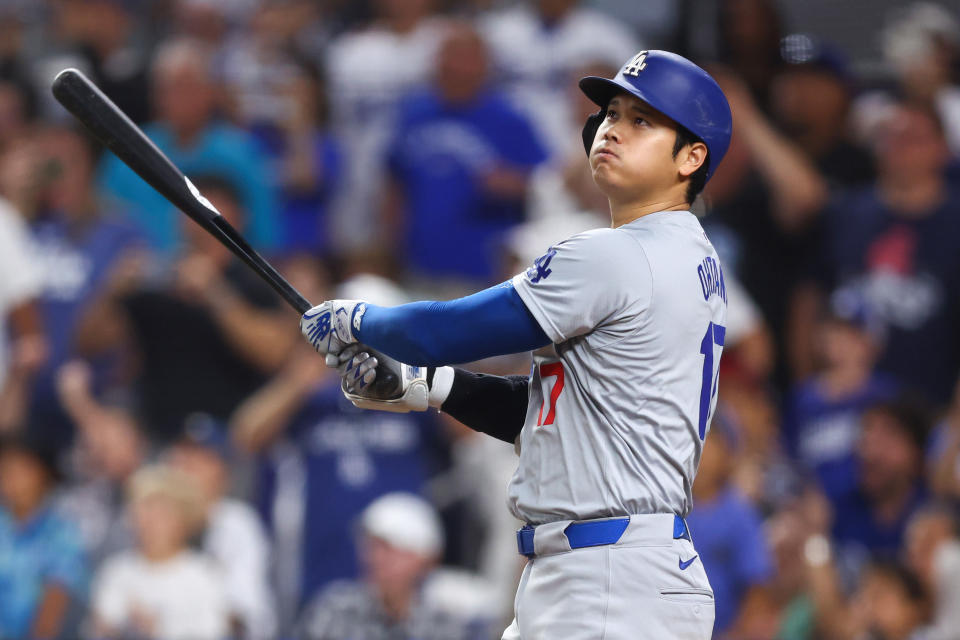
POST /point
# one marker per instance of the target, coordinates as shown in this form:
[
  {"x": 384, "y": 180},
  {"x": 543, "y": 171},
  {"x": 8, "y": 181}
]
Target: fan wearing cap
[
  {"x": 626, "y": 326},
  {"x": 401, "y": 540}
]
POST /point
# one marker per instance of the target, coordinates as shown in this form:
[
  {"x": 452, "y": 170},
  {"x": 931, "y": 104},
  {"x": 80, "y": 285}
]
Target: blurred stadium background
[{"x": 176, "y": 463}]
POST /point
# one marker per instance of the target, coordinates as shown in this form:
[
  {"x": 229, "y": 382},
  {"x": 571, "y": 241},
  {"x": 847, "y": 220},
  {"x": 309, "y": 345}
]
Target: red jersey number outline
[{"x": 548, "y": 370}]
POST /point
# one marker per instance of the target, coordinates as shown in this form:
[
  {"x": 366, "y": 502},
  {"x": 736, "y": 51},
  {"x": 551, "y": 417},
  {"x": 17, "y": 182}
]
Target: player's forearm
[
  {"x": 489, "y": 323},
  {"x": 494, "y": 405}
]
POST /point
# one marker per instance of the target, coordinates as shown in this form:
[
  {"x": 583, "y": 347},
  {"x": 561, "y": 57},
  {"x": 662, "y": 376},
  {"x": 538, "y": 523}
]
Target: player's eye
[
  {"x": 640, "y": 121},
  {"x": 611, "y": 114}
]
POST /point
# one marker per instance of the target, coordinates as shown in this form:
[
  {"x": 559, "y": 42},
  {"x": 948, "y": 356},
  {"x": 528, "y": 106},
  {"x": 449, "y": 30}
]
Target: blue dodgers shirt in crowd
[
  {"x": 220, "y": 150},
  {"x": 74, "y": 263},
  {"x": 440, "y": 155},
  {"x": 908, "y": 271},
  {"x": 44, "y": 550},
  {"x": 856, "y": 528},
  {"x": 304, "y": 214},
  {"x": 821, "y": 432},
  {"x": 333, "y": 461},
  {"x": 728, "y": 535}
]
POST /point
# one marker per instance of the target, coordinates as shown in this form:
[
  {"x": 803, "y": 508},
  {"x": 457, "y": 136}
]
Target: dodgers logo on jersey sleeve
[{"x": 541, "y": 267}]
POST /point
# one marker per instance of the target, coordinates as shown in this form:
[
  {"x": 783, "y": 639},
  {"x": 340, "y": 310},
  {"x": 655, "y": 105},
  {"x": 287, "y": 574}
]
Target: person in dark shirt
[
  {"x": 810, "y": 100},
  {"x": 895, "y": 244},
  {"x": 207, "y": 331}
]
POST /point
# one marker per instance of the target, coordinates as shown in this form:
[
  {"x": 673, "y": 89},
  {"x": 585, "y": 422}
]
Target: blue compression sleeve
[{"x": 493, "y": 322}]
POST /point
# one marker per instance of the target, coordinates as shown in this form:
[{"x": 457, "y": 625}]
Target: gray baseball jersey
[{"x": 620, "y": 404}]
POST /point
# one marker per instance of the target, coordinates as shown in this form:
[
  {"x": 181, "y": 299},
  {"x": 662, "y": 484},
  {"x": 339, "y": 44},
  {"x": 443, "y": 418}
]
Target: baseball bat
[{"x": 118, "y": 133}]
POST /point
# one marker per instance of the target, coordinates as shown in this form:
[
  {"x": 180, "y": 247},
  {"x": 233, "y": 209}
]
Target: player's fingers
[
  {"x": 362, "y": 373},
  {"x": 349, "y": 363}
]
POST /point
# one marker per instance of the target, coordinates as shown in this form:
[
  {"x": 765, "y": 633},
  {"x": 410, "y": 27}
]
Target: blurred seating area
[{"x": 176, "y": 463}]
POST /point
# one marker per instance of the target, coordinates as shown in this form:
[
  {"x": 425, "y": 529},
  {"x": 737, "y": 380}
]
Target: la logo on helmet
[{"x": 635, "y": 66}]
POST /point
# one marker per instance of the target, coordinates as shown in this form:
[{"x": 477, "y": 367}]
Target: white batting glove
[
  {"x": 329, "y": 327},
  {"x": 360, "y": 366}
]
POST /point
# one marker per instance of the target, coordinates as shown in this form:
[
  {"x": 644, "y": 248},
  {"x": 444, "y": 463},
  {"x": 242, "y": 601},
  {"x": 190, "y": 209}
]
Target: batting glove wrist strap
[
  {"x": 411, "y": 392},
  {"x": 440, "y": 386}
]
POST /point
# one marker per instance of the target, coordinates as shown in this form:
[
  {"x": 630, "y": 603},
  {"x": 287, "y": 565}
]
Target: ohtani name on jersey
[{"x": 711, "y": 279}]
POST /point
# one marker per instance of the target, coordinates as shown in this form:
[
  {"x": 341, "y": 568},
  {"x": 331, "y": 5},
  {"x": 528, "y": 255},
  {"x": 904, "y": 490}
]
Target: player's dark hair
[{"x": 699, "y": 177}]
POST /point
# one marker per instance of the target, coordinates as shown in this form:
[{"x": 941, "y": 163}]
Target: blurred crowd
[{"x": 176, "y": 463}]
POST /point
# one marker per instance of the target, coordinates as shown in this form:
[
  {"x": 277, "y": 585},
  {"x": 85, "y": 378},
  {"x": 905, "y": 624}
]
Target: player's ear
[{"x": 691, "y": 158}]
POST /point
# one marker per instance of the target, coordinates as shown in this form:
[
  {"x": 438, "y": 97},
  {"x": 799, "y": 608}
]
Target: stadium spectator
[
  {"x": 460, "y": 161},
  {"x": 762, "y": 201},
  {"x": 186, "y": 128},
  {"x": 401, "y": 543},
  {"x": 933, "y": 553},
  {"x": 822, "y": 415},
  {"x": 161, "y": 589},
  {"x": 207, "y": 330},
  {"x": 322, "y": 462},
  {"x": 306, "y": 156},
  {"x": 889, "y": 603},
  {"x": 748, "y": 43},
  {"x": 108, "y": 449},
  {"x": 532, "y": 44},
  {"x": 889, "y": 455},
  {"x": 233, "y": 535},
  {"x": 921, "y": 44},
  {"x": 369, "y": 70},
  {"x": 76, "y": 246},
  {"x": 42, "y": 566},
  {"x": 100, "y": 38},
  {"x": 23, "y": 345},
  {"x": 893, "y": 243},
  {"x": 728, "y": 529},
  {"x": 810, "y": 100}
]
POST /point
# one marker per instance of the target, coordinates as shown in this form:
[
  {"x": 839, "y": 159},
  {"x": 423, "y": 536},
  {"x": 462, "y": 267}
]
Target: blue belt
[{"x": 593, "y": 533}]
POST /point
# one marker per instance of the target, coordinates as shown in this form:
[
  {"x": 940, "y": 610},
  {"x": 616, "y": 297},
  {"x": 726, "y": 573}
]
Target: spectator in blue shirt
[
  {"x": 322, "y": 462},
  {"x": 728, "y": 528},
  {"x": 872, "y": 519},
  {"x": 42, "y": 566},
  {"x": 76, "y": 248},
  {"x": 187, "y": 130},
  {"x": 307, "y": 160},
  {"x": 461, "y": 159},
  {"x": 822, "y": 419}
]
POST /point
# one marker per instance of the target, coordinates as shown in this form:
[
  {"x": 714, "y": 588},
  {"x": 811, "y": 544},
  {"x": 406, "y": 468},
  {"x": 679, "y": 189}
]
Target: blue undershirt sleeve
[{"x": 492, "y": 322}]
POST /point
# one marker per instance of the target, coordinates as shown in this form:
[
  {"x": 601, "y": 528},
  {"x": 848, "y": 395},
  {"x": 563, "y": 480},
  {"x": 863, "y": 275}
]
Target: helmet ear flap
[{"x": 589, "y": 132}]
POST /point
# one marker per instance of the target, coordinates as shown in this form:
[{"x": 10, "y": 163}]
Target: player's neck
[{"x": 622, "y": 213}]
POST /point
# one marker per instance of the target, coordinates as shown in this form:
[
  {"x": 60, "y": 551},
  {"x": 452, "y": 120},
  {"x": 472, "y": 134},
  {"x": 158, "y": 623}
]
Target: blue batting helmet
[{"x": 675, "y": 87}]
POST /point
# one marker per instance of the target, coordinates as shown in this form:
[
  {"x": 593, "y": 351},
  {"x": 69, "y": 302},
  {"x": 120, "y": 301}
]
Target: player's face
[{"x": 632, "y": 155}]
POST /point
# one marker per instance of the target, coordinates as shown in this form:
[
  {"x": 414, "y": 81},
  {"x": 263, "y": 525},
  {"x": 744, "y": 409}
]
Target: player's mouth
[{"x": 602, "y": 152}]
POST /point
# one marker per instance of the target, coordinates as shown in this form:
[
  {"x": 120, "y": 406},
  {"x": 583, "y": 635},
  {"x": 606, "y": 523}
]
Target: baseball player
[{"x": 626, "y": 326}]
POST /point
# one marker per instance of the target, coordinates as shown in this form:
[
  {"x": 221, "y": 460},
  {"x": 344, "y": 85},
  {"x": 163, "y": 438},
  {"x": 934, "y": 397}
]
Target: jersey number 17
[{"x": 711, "y": 370}]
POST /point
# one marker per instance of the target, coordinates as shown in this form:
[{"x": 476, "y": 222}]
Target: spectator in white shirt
[
  {"x": 234, "y": 536},
  {"x": 536, "y": 45},
  {"x": 368, "y": 72},
  {"x": 161, "y": 589}
]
